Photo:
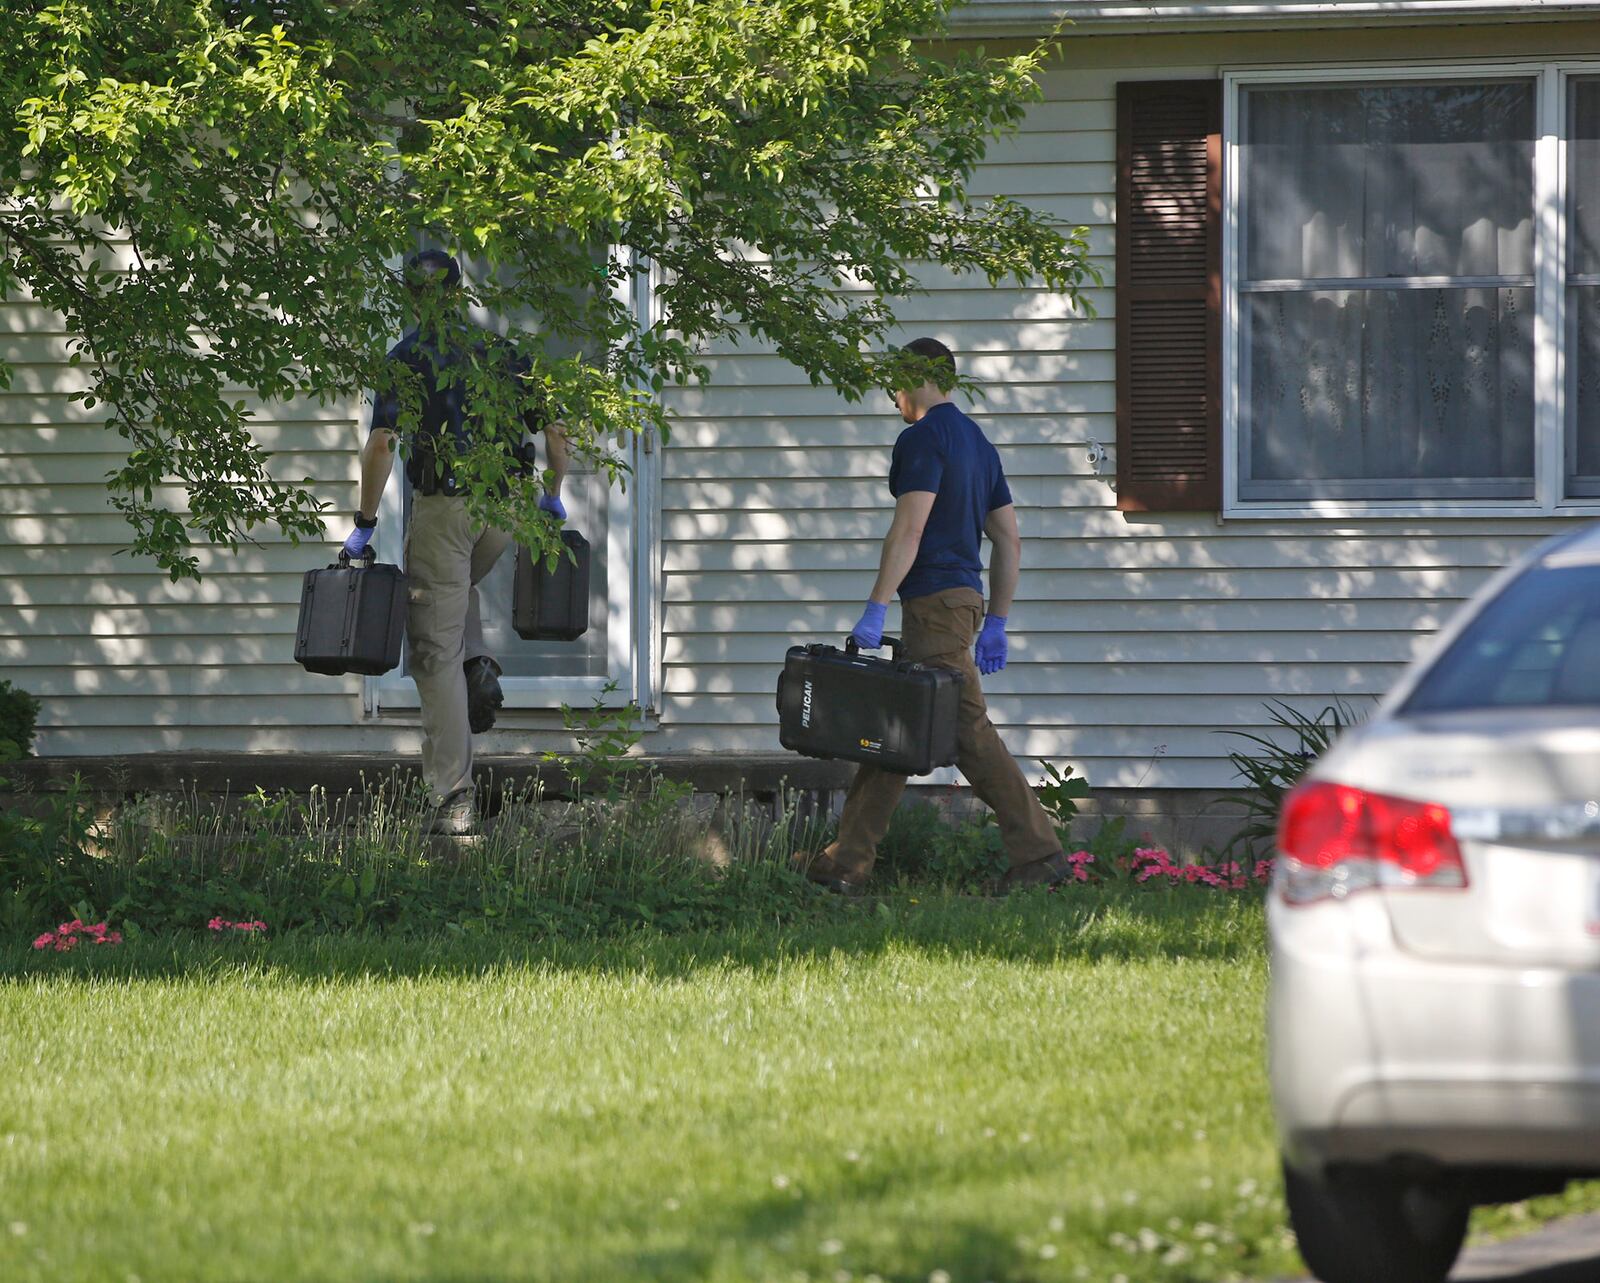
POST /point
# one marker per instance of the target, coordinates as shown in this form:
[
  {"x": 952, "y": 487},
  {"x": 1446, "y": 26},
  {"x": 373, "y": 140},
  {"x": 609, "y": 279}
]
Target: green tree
[{"x": 216, "y": 195}]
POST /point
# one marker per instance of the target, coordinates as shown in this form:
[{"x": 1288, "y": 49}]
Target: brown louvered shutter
[{"x": 1169, "y": 295}]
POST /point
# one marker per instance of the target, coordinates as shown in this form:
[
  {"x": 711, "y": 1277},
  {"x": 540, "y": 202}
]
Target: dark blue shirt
[
  {"x": 440, "y": 379},
  {"x": 946, "y": 453}
]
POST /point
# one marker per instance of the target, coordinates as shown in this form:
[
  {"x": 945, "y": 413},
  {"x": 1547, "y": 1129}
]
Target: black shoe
[{"x": 484, "y": 696}]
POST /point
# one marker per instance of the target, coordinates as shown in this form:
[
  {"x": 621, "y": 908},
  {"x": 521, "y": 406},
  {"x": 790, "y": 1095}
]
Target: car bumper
[{"x": 1377, "y": 1054}]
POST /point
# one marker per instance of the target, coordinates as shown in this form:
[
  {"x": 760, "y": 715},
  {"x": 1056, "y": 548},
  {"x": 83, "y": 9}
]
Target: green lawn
[{"x": 1050, "y": 1088}]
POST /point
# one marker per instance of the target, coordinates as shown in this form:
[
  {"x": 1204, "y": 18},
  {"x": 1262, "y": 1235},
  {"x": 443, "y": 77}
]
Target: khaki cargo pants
[
  {"x": 940, "y": 629},
  {"x": 446, "y": 557}
]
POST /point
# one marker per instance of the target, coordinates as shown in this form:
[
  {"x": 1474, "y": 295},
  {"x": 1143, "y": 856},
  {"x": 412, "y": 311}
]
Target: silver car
[{"x": 1434, "y": 918}]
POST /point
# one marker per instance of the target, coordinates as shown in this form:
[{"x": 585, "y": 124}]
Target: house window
[
  {"x": 1582, "y": 295},
  {"x": 1410, "y": 292},
  {"x": 1384, "y": 269}
]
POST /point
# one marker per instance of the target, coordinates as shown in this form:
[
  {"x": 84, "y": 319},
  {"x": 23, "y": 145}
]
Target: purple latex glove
[
  {"x": 549, "y": 503},
  {"x": 355, "y": 546},
  {"x": 990, "y": 651},
  {"x": 869, "y": 631}
]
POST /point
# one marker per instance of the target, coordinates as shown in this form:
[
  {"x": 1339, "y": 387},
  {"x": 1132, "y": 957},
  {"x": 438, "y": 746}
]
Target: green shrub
[
  {"x": 1111, "y": 845},
  {"x": 19, "y": 711},
  {"x": 907, "y": 847},
  {"x": 46, "y": 870},
  {"x": 921, "y": 846}
]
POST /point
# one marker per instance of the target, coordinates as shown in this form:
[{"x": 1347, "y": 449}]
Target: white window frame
[
  {"x": 1550, "y": 78},
  {"x": 632, "y": 557}
]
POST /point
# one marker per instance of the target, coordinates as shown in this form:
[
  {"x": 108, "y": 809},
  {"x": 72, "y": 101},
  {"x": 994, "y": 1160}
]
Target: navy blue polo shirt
[{"x": 946, "y": 453}]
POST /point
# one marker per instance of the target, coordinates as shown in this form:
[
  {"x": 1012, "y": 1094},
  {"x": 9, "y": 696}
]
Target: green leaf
[{"x": 264, "y": 183}]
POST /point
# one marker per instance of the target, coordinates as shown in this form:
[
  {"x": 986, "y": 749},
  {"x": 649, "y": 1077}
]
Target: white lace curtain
[{"x": 1386, "y": 301}]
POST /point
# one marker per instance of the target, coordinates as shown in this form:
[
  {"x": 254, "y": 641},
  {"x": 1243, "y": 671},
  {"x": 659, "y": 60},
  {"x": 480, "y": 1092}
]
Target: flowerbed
[{"x": 365, "y": 864}]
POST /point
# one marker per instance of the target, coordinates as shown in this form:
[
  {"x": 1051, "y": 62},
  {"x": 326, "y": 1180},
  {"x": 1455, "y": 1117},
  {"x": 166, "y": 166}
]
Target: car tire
[{"x": 1365, "y": 1225}]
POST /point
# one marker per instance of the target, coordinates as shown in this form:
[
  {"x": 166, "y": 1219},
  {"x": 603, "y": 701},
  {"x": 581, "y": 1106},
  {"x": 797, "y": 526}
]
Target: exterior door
[{"x": 620, "y": 527}]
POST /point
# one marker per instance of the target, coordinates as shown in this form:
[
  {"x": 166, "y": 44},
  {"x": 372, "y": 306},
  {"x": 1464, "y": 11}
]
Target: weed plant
[
  {"x": 1269, "y": 769},
  {"x": 19, "y": 712}
]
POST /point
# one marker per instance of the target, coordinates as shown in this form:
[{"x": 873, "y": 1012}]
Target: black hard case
[
  {"x": 888, "y": 712},
  {"x": 552, "y": 605},
  {"x": 352, "y": 618}
]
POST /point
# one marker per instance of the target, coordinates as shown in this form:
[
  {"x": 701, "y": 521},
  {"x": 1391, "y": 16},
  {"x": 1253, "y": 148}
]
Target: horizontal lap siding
[
  {"x": 123, "y": 659},
  {"x": 1136, "y": 641},
  {"x": 1086, "y": 15}
]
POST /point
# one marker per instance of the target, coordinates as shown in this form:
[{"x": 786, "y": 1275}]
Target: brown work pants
[{"x": 939, "y": 630}]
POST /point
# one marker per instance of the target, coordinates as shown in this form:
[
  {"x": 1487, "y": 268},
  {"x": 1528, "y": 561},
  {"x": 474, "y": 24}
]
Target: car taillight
[{"x": 1334, "y": 840}]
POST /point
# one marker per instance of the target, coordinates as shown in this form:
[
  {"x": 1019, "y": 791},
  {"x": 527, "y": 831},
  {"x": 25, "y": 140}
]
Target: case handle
[
  {"x": 369, "y": 555},
  {"x": 893, "y": 643}
]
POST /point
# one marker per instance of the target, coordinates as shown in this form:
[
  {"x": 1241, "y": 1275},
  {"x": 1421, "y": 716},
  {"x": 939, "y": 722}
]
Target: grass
[{"x": 1046, "y": 1088}]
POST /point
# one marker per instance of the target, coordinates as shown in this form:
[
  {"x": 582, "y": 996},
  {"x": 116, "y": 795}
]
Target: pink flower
[
  {"x": 225, "y": 924},
  {"x": 70, "y": 934}
]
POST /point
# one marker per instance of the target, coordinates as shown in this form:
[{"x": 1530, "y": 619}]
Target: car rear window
[{"x": 1537, "y": 643}]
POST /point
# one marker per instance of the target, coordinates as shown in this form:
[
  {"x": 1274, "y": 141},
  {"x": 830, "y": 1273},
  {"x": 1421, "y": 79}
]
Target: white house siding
[
  {"x": 1142, "y": 15},
  {"x": 1135, "y": 640}
]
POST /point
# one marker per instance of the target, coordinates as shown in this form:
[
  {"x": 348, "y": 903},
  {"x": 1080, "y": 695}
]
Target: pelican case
[
  {"x": 552, "y": 605},
  {"x": 352, "y": 617},
  {"x": 890, "y": 713}
]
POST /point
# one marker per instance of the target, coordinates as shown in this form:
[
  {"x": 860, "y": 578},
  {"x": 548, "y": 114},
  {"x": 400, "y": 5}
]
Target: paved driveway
[{"x": 1565, "y": 1252}]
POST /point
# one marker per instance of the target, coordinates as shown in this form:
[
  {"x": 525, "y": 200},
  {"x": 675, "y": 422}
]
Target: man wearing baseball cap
[{"x": 446, "y": 552}]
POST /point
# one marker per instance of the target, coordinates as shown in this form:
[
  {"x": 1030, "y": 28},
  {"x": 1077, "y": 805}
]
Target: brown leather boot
[
  {"x": 827, "y": 872},
  {"x": 1037, "y": 873}
]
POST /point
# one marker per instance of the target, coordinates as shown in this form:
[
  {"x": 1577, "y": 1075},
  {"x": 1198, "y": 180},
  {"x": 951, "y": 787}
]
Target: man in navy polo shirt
[{"x": 949, "y": 491}]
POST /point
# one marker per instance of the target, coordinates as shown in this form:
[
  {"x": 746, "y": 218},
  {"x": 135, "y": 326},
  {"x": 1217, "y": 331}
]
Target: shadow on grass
[
  {"x": 1085, "y": 925},
  {"x": 779, "y": 1236},
  {"x": 961, "y": 1250},
  {"x": 1570, "y": 1272}
]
